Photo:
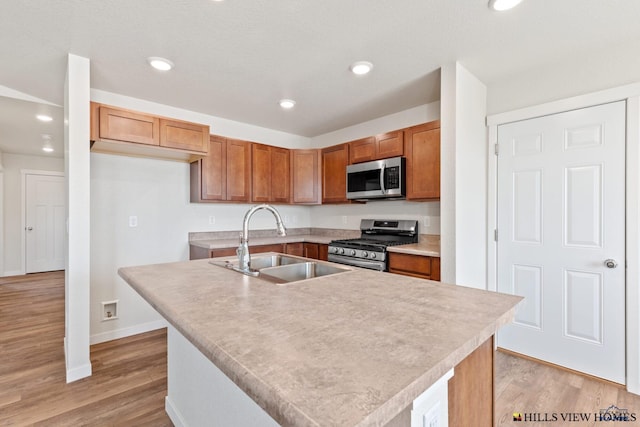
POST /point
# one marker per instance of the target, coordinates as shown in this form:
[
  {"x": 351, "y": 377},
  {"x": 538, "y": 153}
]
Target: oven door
[
  {"x": 358, "y": 262},
  {"x": 378, "y": 179}
]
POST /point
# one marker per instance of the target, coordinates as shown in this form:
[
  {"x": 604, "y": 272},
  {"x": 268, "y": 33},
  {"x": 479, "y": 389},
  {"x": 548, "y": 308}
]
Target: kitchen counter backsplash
[{"x": 253, "y": 234}]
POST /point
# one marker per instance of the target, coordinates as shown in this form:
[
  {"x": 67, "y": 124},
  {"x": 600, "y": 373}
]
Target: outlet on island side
[{"x": 109, "y": 310}]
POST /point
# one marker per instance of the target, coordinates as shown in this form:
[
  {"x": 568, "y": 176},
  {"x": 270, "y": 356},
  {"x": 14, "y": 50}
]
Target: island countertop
[{"x": 354, "y": 348}]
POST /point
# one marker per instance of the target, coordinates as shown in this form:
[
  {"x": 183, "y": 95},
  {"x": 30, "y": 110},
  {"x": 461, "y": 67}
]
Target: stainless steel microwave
[{"x": 379, "y": 179}]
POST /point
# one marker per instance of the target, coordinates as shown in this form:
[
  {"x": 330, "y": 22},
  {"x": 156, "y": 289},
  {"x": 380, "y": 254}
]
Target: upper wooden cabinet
[
  {"x": 121, "y": 131},
  {"x": 270, "y": 174},
  {"x": 334, "y": 173},
  {"x": 305, "y": 176},
  {"x": 377, "y": 147},
  {"x": 422, "y": 146},
  {"x": 224, "y": 174}
]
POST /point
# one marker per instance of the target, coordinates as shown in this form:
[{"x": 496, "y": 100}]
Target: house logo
[
  {"x": 517, "y": 416},
  {"x": 613, "y": 413}
]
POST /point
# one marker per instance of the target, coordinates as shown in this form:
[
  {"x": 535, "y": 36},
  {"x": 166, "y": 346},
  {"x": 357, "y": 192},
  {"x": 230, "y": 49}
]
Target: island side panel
[
  {"x": 471, "y": 390},
  {"x": 200, "y": 394}
]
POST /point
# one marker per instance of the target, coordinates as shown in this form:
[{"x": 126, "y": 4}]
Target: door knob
[
  {"x": 29, "y": 228},
  {"x": 611, "y": 263}
]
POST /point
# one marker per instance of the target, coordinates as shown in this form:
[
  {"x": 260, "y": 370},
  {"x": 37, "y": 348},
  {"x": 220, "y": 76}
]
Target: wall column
[
  {"x": 463, "y": 178},
  {"x": 77, "y": 173}
]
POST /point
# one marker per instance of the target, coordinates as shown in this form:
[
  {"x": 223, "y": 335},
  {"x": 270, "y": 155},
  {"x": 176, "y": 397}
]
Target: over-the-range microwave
[{"x": 379, "y": 179}]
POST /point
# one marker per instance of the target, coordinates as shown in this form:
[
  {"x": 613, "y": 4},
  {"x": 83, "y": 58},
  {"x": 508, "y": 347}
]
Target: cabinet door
[
  {"x": 334, "y": 173},
  {"x": 213, "y": 171},
  {"x": 184, "y": 136},
  {"x": 323, "y": 252},
  {"x": 295, "y": 249},
  {"x": 305, "y": 176},
  {"x": 127, "y": 126},
  {"x": 390, "y": 144},
  {"x": 238, "y": 170},
  {"x": 422, "y": 145},
  {"x": 311, "y": 250},
  {"x": 362, "y": 150},
  {"x": 280, "y": 175},
  {"x": 260, "y": 173}
]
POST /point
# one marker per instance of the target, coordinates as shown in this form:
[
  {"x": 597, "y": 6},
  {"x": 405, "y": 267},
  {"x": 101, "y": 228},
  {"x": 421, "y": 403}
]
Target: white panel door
[
  {"x": 44, "y": 223},
  {"x": 561, "y": 215}
]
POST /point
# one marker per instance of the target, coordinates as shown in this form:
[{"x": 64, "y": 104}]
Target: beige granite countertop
[
  {"x": 344, "y": 350},
  {"x": 422, "y": 248}
]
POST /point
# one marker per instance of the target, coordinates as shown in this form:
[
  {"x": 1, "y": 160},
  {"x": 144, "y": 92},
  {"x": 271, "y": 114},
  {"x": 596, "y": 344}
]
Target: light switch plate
[{"x": 133, "y": 221}]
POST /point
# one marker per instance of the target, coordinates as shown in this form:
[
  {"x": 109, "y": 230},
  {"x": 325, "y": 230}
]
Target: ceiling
[
  {"x": 236, "y": 58},
  {"x": 22, "y": 133}
]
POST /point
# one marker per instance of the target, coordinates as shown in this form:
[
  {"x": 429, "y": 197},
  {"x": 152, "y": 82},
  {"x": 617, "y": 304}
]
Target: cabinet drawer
[{"x": 423, "y": 267}]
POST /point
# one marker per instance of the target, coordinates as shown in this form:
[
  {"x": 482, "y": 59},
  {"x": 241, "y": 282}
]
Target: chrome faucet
[{"x": 244, "y": 258}]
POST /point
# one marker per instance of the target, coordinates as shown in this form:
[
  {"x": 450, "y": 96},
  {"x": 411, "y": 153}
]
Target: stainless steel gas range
[{"x": 370, "y": 249}]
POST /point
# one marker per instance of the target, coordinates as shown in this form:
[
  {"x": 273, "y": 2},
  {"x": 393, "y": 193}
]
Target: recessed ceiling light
[
  {"x": 161, "y": 64},
  {"x": 361, "y": 67},
  {"x": 44, "y": 118},
  {"x": 500, "y": 5},
  {"x": 287, "y": 104}
]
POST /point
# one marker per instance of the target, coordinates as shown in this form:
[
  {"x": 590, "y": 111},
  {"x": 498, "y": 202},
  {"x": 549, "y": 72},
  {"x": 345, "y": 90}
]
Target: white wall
[
  {"x": 348, "y": 216},
  {"x": 463, "y": 178},
  {"x": 12, "y": 199},
  {"x": 157, "y": 192}
]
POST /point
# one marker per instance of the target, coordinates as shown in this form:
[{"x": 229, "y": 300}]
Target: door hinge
[
  {"x": 495, "y": 234},
  {"x": 496, "y": 149}
]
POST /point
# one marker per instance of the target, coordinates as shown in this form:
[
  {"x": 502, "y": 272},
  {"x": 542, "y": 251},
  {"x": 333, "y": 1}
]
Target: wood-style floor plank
[
  {"x": 527, "y": 386},
  {"x": 129, "y": 380}
]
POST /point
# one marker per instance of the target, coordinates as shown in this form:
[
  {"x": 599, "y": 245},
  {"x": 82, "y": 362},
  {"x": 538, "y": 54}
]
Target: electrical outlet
[
  {"x": 212, "y": 219},
  {"x": 295, "y": 219},
  {"x": 285, "y": 218},
  {"x": 344, "y": 219},
  {"x": 133, "y": 221},
  {"x": 426, "y": 221}
]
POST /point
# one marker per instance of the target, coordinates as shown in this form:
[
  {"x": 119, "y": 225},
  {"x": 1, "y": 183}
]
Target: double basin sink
[{"x": 279, "y": 268}]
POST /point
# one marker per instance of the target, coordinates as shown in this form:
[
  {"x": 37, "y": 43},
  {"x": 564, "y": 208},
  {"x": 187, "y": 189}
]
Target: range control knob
[
  {"x": 341, "y": 250},
  {"x": 365, "y": 254},
  {"x": 353, "y": 253},
  {"x": 373, "y": 255}
]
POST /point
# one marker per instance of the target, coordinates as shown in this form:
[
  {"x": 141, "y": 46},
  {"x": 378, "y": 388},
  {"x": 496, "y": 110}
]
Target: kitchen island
[{"x": 354, "y": 348}]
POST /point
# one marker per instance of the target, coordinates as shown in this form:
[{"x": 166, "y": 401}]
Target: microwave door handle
[{"x": 384, "y": 190}]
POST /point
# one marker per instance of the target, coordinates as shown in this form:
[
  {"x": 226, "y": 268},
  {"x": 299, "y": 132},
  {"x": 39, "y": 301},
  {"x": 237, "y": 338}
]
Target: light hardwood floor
[{"x": 129, "y": 378}]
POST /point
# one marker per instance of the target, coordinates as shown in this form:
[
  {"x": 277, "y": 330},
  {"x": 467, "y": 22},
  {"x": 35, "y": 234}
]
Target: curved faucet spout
[{"x": 244, "y": 258}]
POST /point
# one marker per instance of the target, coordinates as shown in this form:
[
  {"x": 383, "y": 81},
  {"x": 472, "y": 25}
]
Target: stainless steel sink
[
  {"x": 280, "y": 268},
  {"x": 260, "y": 262},
  {"x": 300, "y": 271}
]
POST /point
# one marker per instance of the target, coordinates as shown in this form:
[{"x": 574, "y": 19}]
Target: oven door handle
[
  {"x": 373, "y": 265},
  {"x": 382, "y": 168}
]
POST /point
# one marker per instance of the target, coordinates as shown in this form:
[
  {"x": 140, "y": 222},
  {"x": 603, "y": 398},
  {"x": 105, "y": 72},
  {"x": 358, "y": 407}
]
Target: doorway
[
  {"x": 561, "y": 237},
  {"x": 44, "y": 217}
]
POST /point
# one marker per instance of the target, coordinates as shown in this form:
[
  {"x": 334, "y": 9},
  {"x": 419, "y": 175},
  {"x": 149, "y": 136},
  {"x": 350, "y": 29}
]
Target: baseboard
[
  {"x": 13, "y": 273},
  {"x": 173, "y": 413},
  {"x": 127, "y": 332},
  {"x": 78, "y": 373}
]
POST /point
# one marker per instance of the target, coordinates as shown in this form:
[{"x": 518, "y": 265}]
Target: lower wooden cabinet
[
  {"x": 471, "y": 390},
  {"x": 318, "y": 251},
  {"x": 295, "y": 249},
  {"x": 202, "y": 253},
  {"x": 424, "y": 267}
]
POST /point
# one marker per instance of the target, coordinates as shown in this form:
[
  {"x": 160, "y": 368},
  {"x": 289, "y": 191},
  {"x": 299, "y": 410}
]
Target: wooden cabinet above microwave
[
  {"x": 383, "y": 146},
  {"x": 120, "y": 131}
]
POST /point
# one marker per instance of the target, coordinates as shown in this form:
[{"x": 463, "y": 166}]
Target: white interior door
[
  {"x": 44, "y": 223},
  {"x": 561, "y": 215}
]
